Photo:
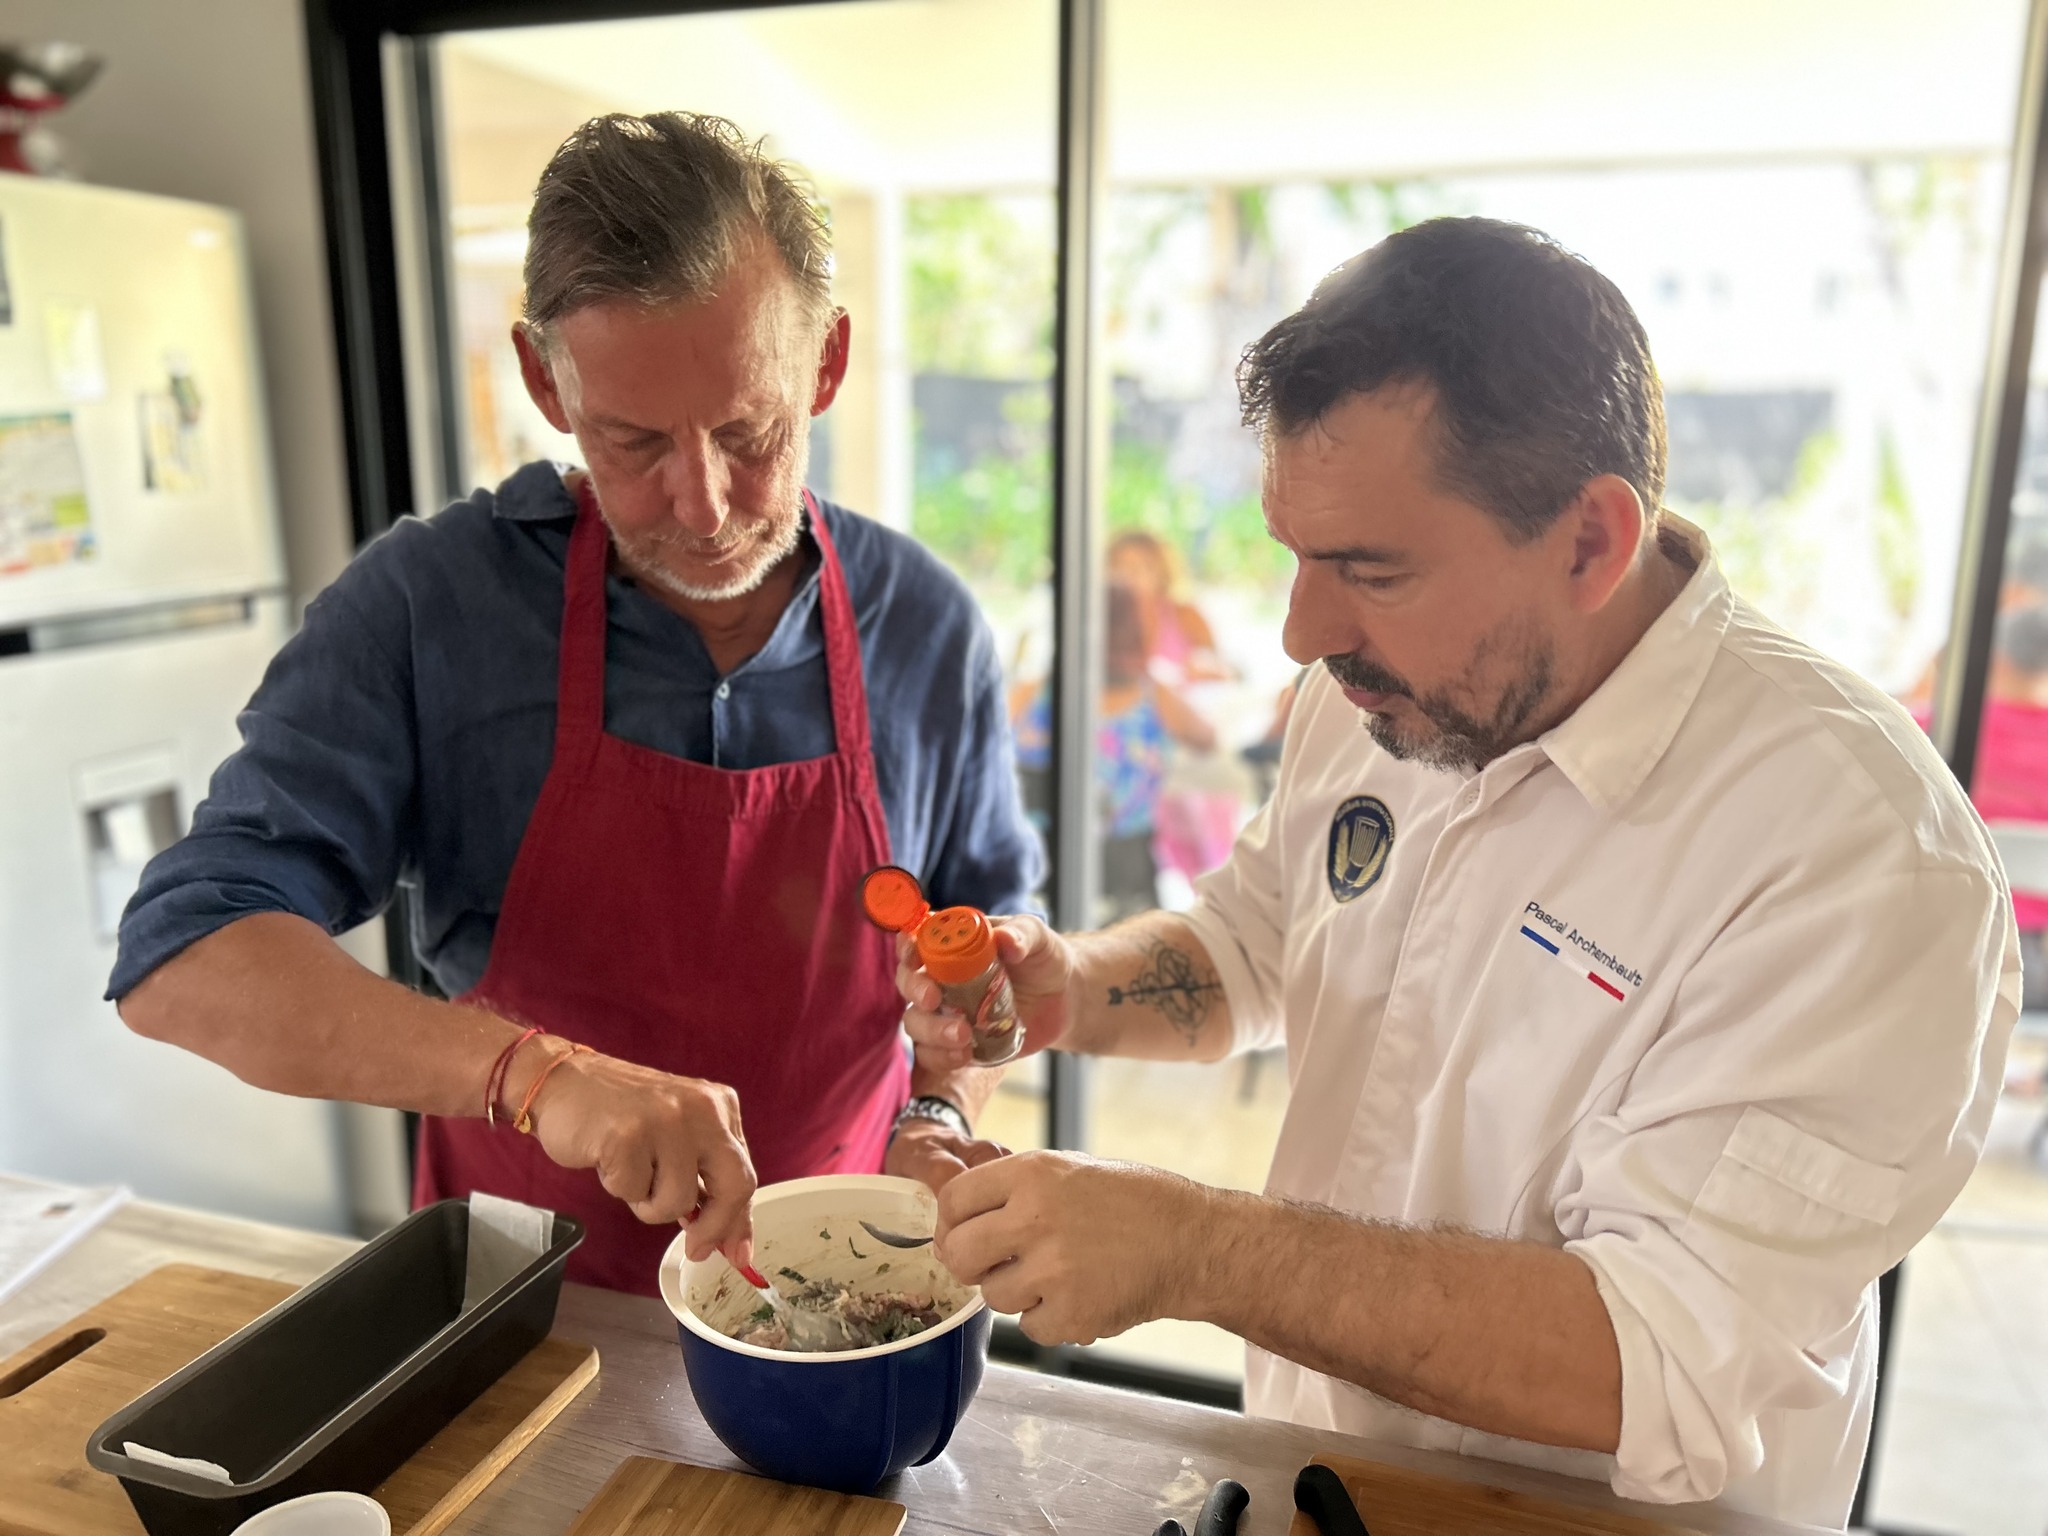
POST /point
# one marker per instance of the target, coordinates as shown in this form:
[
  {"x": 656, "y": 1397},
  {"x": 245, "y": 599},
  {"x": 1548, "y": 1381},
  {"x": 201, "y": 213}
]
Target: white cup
[{"x": 321, "y": 1514}]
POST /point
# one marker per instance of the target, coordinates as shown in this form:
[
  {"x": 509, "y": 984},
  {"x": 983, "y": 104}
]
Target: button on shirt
[
  {"x": 1710, "y": 985},
  {"x": 407, "y": 729}
]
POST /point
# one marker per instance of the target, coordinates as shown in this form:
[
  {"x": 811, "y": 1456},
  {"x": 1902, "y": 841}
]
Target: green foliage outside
[
  {"x": 980, "y": 285},
  {"x": 1910, "y": 201},
  {"x": 1774, "y": 551},
  {"x": 992, "y": 521},
  {"x": 1225, "y": 544},
  {"x": 980, "y": 306},
  {"x": 1384, "y": 207},
  {"x": 1896, "y": 531},
  {"x": 1766, "y": 550}
]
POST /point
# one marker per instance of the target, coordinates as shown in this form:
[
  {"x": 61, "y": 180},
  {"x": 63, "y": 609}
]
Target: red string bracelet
[
  {"x": 495, "y": 1083},
  {"x": 524, "y": 1123}
]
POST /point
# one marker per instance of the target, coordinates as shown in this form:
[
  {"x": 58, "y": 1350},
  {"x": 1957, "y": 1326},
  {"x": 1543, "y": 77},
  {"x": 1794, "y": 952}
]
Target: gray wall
[{"x": 208, "y": 99}]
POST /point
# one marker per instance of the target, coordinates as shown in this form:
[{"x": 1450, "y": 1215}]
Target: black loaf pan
[{"x": 337, "y": 1385}]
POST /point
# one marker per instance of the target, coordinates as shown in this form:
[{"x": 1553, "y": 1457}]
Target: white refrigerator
[{"x": 142, "y": 592}]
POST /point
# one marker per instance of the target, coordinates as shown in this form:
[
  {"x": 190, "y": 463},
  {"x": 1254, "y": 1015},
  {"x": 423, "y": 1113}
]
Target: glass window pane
[
  {"x": 928, "y": 131},
  {"x": 1803, "y": 203},
  {"x": 1961, "y": 1446}
]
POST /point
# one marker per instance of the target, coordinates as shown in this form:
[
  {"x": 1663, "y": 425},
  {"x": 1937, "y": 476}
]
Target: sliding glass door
[{"x": 1057, "y": 223}]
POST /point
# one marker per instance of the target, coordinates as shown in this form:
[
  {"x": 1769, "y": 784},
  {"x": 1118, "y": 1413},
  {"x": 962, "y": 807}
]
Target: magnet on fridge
[
  {"x": 171, "y": 458},
  {"x": 77, "y": 366},
  {"x": 184, "y": 387}
]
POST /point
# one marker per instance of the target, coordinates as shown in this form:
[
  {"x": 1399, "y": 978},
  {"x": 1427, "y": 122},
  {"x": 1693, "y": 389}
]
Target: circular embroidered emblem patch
[{"x": 1361, "y": 837}]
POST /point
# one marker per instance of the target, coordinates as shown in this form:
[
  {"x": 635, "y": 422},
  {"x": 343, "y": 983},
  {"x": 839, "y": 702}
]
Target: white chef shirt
[{"x": 1711, "y": 986}]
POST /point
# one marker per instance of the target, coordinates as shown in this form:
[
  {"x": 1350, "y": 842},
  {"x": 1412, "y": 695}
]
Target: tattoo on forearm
[{"x": 1174, "y": 983}]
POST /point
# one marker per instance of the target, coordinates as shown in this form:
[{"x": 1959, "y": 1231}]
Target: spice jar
[{"x": 957, "y": 947}]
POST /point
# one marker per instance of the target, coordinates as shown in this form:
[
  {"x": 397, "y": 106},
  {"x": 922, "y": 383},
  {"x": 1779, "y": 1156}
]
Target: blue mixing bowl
[{"x": 850, "y": 1418}]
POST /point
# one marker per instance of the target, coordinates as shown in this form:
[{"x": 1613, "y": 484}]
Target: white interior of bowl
[
  {"x": 320, "y": 1514},
  {"x": 813, "y": 1227}
]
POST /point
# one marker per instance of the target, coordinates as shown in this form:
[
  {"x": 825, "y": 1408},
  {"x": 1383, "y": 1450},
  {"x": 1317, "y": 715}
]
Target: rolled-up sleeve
[
  {"x": 1818, "y": 1098},
  {"x": 1238, "y": 916},
  {"x": 311, "y": 815},
  {"x": 1240, "y": 910}
]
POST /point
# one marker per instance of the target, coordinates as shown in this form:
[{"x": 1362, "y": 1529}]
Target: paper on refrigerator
[{"x": 44, "y": 517}]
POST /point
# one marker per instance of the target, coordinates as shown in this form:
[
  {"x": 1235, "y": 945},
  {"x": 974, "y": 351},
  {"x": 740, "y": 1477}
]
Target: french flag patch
[{"x": 1557, "y": 954}]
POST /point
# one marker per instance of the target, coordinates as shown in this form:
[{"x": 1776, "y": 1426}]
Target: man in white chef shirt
[{"x": 1644, "y": 975}]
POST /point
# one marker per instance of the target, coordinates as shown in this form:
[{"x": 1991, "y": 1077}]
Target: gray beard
[
  {"x": 784, "y": 545},
  {"x": 772, "y": 555},
  {"x": 1462, "y": 742}
]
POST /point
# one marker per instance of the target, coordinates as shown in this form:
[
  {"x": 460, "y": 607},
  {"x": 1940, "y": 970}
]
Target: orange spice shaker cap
[
  {"x": 956, "y": 945},
  {"x": 892, "y": 899}
]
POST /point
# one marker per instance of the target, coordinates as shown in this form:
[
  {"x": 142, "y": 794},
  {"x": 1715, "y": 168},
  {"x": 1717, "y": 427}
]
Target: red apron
[{"x": 701, "y": 920}]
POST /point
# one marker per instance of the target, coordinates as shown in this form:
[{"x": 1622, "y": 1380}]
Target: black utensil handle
[
  {"x": 1320, "y": 1494},
  {"x": 1220, "y": 1511},
  {"x": 1171, "y": 1528}
]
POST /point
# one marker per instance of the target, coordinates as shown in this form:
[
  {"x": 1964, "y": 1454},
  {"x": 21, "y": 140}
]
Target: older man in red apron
[
  {"x": 687, "y": 861},
  {"x": 636, "y": 734}
]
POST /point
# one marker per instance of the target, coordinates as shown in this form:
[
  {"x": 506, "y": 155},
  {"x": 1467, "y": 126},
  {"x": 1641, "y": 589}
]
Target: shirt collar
[
  {"x": 1609, "y": 744},
  {"x": 534, "y": 493},
  {"x": 793, "y": 641}
]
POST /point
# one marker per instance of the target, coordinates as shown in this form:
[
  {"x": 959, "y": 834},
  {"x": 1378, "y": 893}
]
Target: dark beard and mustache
[{"x": 1461, "y": 740}]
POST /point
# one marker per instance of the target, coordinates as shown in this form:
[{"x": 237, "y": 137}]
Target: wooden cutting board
[
  {"x": 55, "y": 1393},
  {"x": 646, "y": 1497},
  {"x": 1394, "y": 1501}
]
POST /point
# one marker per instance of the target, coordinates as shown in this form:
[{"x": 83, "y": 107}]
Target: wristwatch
[{"x": 929, "y": 1106}]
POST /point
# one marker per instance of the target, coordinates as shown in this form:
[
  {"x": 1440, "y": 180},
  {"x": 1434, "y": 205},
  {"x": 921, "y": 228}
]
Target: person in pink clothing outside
[
  {"x": 2012, "y": 765},
  {"x": 1194, "y": 826},
  {"x": 1180, "y": 647},
  {"x": 2011, "y": 781}
]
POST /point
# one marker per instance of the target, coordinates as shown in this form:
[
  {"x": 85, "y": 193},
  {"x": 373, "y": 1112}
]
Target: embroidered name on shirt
[{"x": 1566, "y": 945}]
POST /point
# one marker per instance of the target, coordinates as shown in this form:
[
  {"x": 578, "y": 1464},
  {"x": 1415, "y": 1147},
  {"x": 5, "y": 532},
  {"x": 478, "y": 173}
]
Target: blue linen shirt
[{"x": 405, "y": 731}]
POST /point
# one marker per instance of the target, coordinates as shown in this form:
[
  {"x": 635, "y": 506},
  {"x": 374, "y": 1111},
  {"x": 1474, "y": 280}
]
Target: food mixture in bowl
[{"x": 854, "y": 1319}]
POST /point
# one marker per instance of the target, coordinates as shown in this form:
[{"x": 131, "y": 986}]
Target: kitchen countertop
[{"x": 1035, "y": 1454}]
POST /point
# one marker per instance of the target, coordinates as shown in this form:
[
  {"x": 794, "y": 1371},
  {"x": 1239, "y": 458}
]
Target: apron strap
[
  {"x": 579, "y": 710},
  {"x": 842, "y": 645},
  {"x": 579, "y": 685}
]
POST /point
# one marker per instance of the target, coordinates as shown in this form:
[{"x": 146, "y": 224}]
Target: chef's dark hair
[
  {"x": 1540, "y": 371},
  {"x": 657, "y": 209}
]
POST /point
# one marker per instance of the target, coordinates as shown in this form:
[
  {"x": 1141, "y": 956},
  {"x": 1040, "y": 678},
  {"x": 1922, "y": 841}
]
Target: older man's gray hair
[{"x": 657, "y": 209}]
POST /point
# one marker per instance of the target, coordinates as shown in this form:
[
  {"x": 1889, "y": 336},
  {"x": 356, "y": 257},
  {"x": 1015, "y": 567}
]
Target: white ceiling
[{"x": 942, "y": 93}]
